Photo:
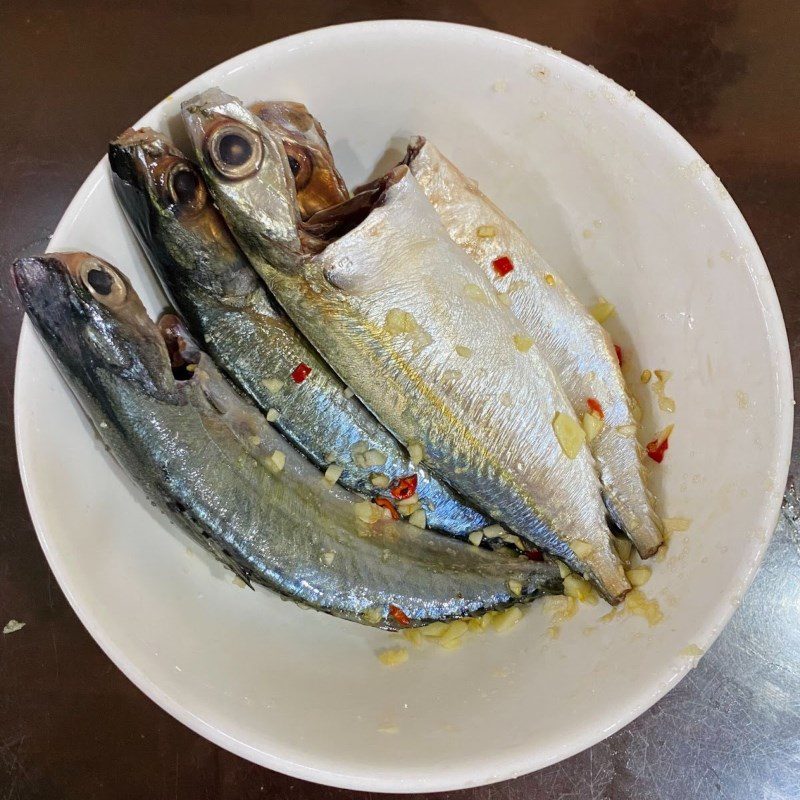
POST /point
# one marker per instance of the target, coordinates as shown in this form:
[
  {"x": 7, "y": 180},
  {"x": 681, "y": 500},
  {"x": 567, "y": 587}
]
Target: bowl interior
[{"x": 622, "y": 207}]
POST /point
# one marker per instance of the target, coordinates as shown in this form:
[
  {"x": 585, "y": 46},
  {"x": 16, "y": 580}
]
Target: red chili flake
[
  {"x": 534, "y": 555},
  {"x": 398, "y": 615},
  {"x": 656, "y": 449},
  {"x": 503, "y": 265},
  {"x": 385, "y": 503},
  {"x": 618, "y": 351},
  {"x": 301, "y": 372},
  {"x": 403, "y": 488},
  {"x": 595, "y": 407}
]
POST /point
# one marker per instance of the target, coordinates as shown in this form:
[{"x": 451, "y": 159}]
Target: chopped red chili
[
  {"x": 534, "y": 555},
  {"x": 503, "y": 265},
  {"x": 656, "y": 449},
  {"x": 387, "y": 504},
  {"x": 300, "y": 372},
  {"x": 618, "y": 351},
  {"x": 398, "y": 615},
  {"x": 595, "y": 407},
  {"x": 403, "y": 488}
]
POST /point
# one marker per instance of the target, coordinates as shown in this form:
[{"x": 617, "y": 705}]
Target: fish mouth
[
  {"x": 184, "y": 352},
  {"x": 334, "y": 222},
  {"x": 47, "y": 292},
  {"x": 135, "y": 152}
]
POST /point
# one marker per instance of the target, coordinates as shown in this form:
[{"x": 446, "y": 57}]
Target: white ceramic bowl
[{"x": 622, "y": 206}]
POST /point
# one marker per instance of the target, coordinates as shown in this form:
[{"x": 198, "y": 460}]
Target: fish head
[
  {"x": 166, "y": 199},
  {"x": 90, "y": 316},
  {"x": 317, "y": 181},
  {"x": 248, "y": 172}
]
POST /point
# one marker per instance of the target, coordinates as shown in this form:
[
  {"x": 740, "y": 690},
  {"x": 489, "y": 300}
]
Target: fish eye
[
  {"x": 300, "y": 163},
  {"x": 185, "y": 188},
  {"x": 103, "y": 283},
  {"x": 234, "y": 150}
]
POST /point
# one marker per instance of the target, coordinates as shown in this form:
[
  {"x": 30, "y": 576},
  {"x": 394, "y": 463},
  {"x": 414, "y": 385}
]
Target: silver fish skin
[
  {"x": 207, "y": 457},
  {"x": 576, "y": 346},
  {"x": 214, "y": 287},
  {"x": 451, "y": 381}
]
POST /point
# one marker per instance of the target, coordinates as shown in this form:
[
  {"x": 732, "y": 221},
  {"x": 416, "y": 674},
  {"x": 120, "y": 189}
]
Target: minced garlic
[
  {"x": 416, "y": 452},
  {"x": 638, "y": 576},
  {"x": 434, "y": 630},
  {"x": 463, "y": 351},
  {"x": 628, "y": 431},
  {"x": 639, "y": 604},
  {"x": 333, "y": 473},
  {"x": 12, "y": 626},
  {"x": 577, "y": 587},
  {"x": 675, "y": 524},
  {"x": 505, "y": 620},
  {"x": 624, "y": 547},
  {"x": 665, "y": 403},
  {"x": 455, "y": 630},
  {"x": 569, "y": 433},
  {"x": 393, "y": 656},
  {"x": 374, "y": 458},
  {"x": 273, "y": 385},
  {"x": 399, "y": 321},
  {"x": 474, "y": 292},
  {"x": 368, "y": 512},
  {"x": 514, "y": 540},
  {"x": 417, "y": 519},
  {"x": 486, "y": 231},
  {"x": 592, "y": 426},
  {"x": 602, "y": 310},
  {"x": 372, "y": 615},
  {"x": 522, "y": 342},
  {"x": 581, "y": 549},
  {"x": 413, "y": 635}
]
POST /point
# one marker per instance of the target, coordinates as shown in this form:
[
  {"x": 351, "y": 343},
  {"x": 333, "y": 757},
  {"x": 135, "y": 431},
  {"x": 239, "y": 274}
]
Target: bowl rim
[{"x": 495, "y": 769}]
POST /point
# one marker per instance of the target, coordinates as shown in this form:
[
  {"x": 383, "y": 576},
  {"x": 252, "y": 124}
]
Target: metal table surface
[{"x": 73, "y": 74}]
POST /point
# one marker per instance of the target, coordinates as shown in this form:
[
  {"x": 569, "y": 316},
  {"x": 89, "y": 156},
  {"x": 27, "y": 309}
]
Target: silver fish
[
  {"x": 215, "y": 289},
  {"x": 576, "y": 346},
  {"x": 208, "y": 458},
  {"x": 409, "y": 320}
]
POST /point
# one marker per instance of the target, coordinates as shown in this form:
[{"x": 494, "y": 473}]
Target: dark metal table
[{"x": 74, "y": 74}]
